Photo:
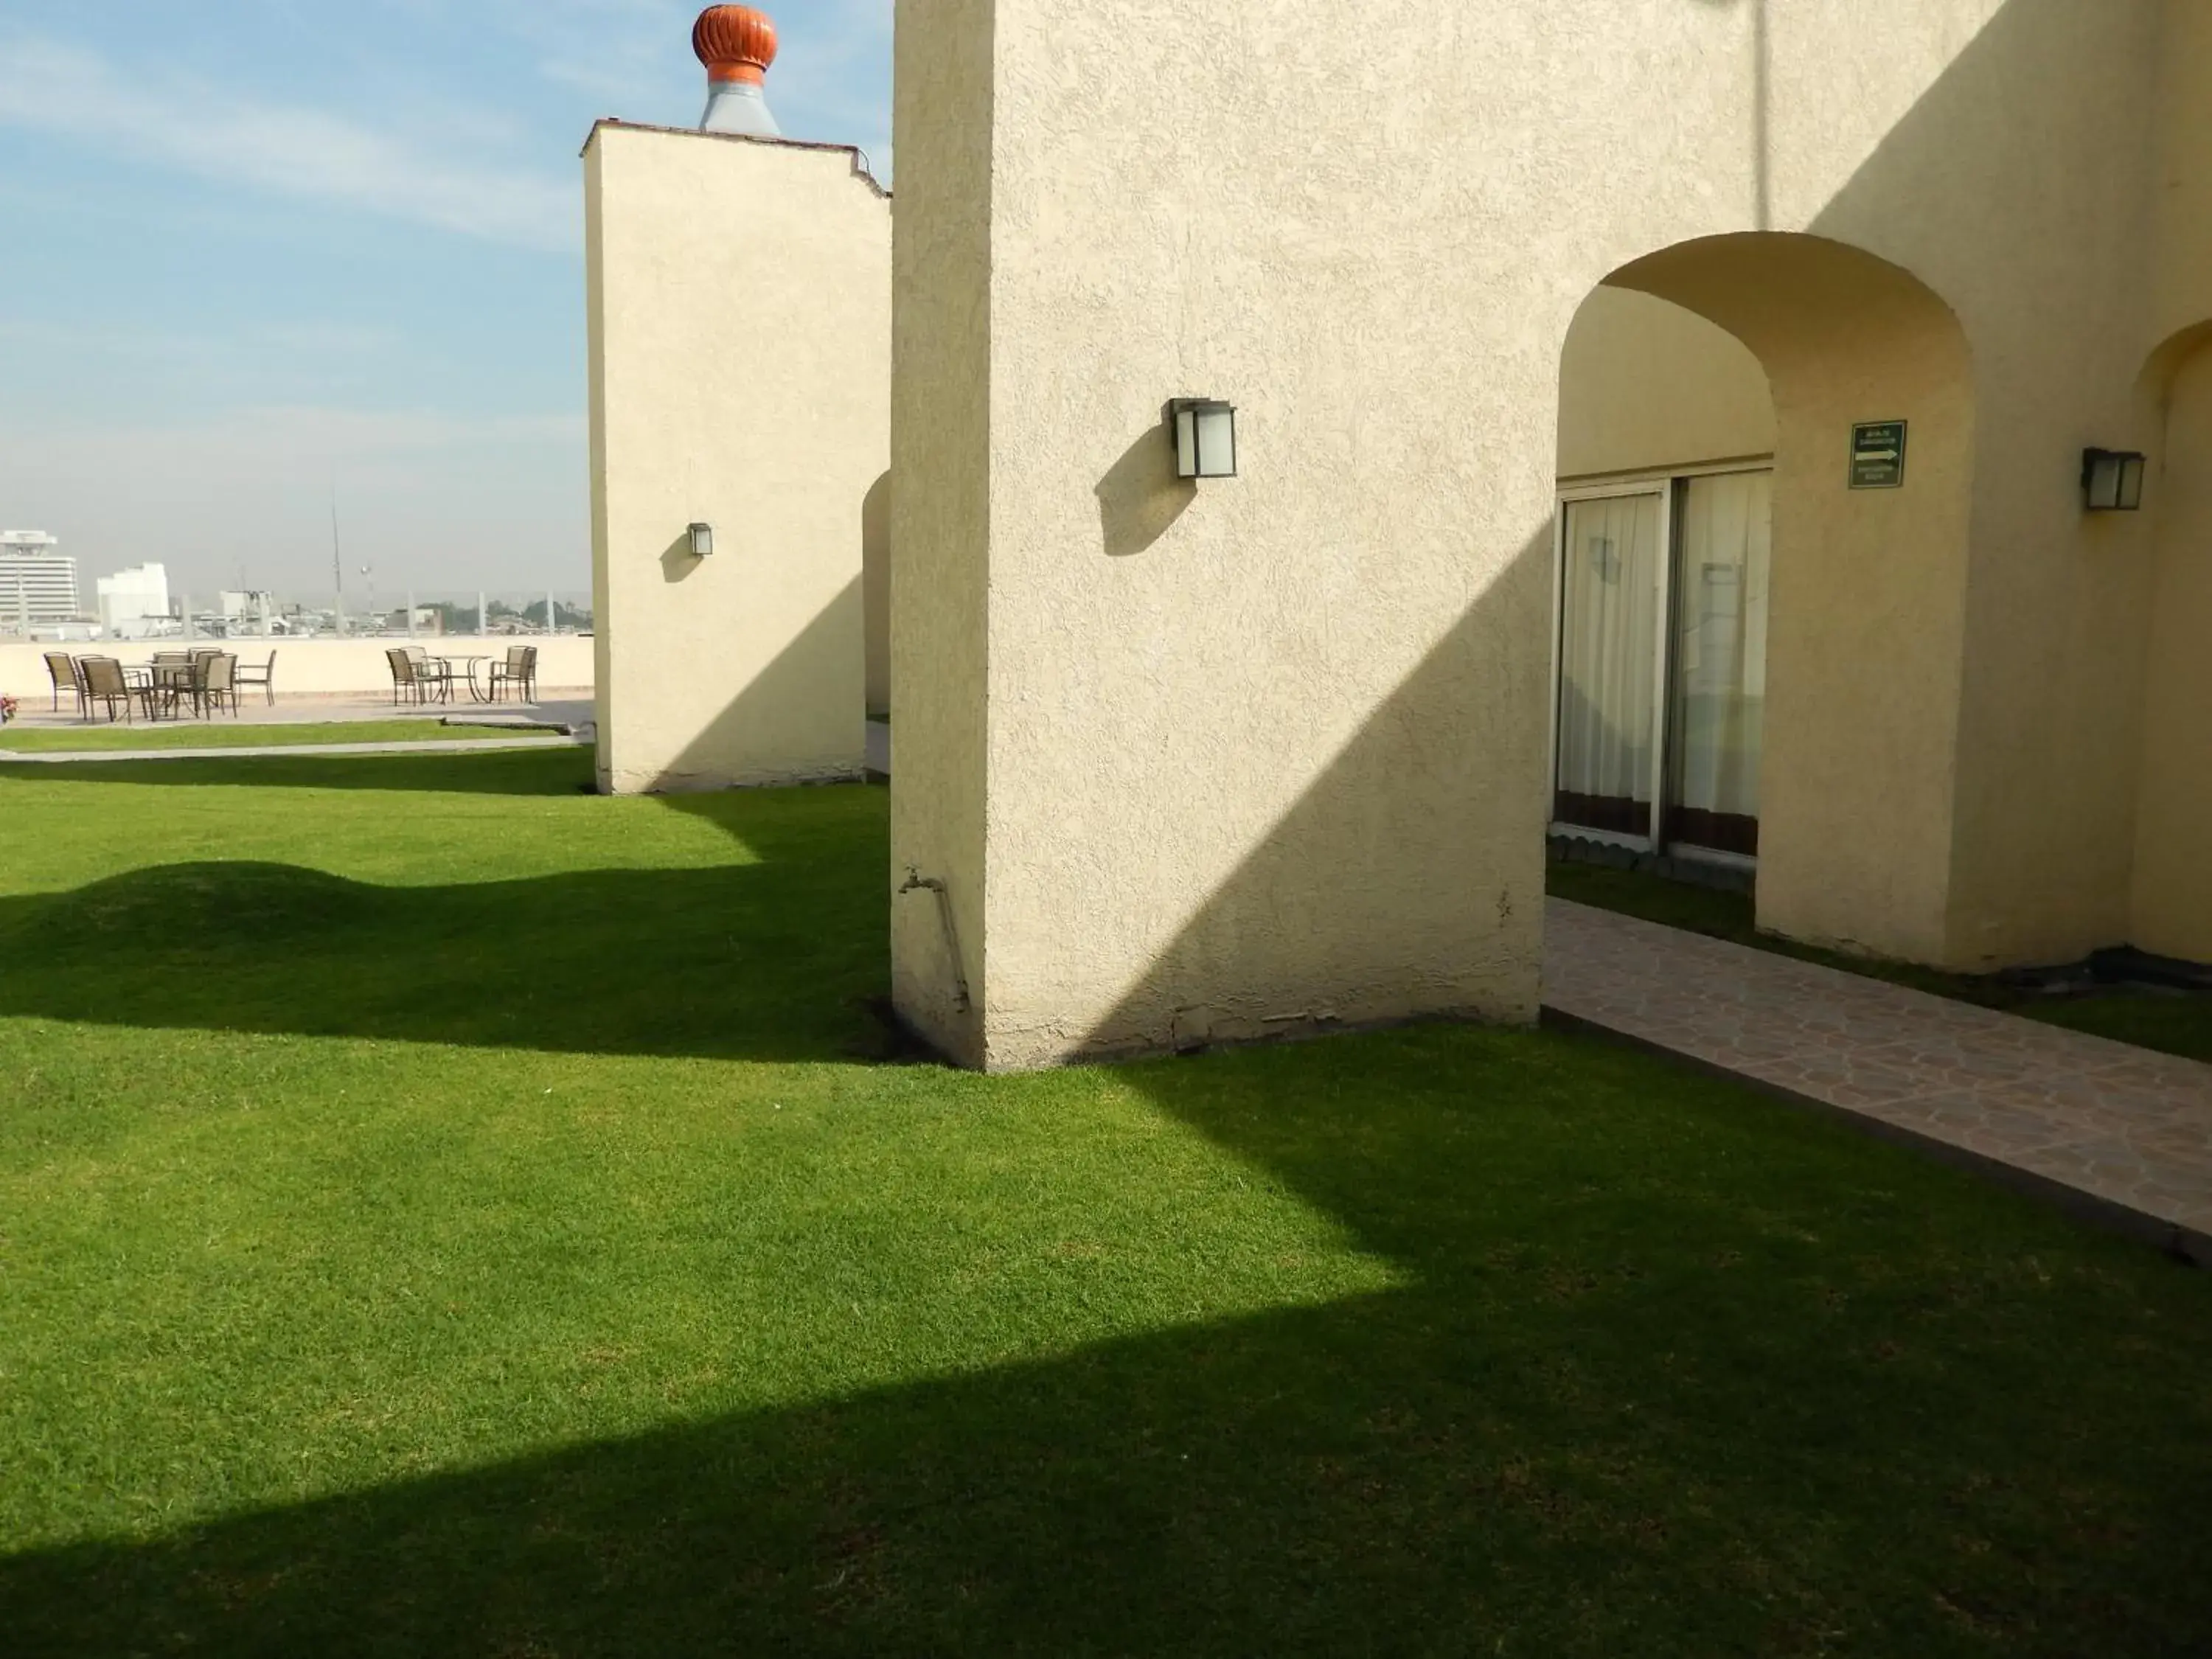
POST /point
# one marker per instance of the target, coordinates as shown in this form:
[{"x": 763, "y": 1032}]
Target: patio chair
[
  {"x": 519, "y": 670},
  {"x": 264, "y": 677},
  {"x": 404, "y": 681},
  {"x": 217, "y": 680},
  {"x": 436, "y": 673},
  {"x": 60, "y": 667},
  {"x": 104, "y": 683}
]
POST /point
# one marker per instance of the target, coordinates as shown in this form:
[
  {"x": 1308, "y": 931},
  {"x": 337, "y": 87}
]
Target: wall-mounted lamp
[
  {"x": 703, "y": 540},
  {"x": 1205, "y": 433},
  {"x": 2112, "y": 480}
]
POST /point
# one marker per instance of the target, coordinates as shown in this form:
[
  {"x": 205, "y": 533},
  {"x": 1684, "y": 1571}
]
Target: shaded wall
[
  {"x": 943, "y": 131},
  {"x": 2173, "y": 846},
  {"x": 1645, "y": 385},
  {"x": 739, "y": 295},
  {"x": 875, "y": 591}
]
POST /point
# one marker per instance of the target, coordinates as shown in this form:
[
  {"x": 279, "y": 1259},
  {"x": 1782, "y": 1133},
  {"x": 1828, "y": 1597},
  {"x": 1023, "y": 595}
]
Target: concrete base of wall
[{"x": 620, "y": 782}]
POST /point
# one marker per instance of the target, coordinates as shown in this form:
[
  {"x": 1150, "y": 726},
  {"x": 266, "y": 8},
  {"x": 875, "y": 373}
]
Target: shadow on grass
[
  {"x": 538, "y": 771},
  {"x": 782, "y": 958},
  {"x": 1674, "y": 1374}
]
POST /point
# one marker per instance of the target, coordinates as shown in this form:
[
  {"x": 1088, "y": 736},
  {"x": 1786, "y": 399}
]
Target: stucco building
[
  {"x": 738, "y": 305},
  {"x": 1671, "y": 422}
]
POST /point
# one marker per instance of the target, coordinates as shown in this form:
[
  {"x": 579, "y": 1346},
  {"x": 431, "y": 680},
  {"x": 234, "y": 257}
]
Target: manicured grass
[
  {"x": 2177, "y": 1022},
  {"x": 226, "y": 734},
  {"x": 445, "y": 1211}
]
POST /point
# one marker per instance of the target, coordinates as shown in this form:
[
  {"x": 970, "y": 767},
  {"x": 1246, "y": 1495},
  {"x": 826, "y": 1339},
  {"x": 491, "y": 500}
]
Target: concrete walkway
[
  {"x": 2121, "y": 1133},
  {"x": 39, "y": 713}
]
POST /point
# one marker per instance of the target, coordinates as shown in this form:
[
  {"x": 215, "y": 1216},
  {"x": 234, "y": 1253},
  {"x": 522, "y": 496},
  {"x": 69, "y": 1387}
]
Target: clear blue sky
[{"x": 253, "y": 248}]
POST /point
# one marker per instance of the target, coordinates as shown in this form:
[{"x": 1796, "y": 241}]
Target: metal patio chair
[
  {"x": 217, "y": 680},
  {"x": 61, "y": 668},
  {"x": 264, "y": 677},
  {"x": 105, "y": 682},
  {"x": 404, "y": 682},
  {"x": 519, "y": 670}
]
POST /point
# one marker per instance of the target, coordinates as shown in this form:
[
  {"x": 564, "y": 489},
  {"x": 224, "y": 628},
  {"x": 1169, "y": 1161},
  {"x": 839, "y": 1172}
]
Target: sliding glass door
[
  {"x": 1613, "y": 550},
  {"x": 1662, "y": 662},
  {"x": 1719, "y": 662}
]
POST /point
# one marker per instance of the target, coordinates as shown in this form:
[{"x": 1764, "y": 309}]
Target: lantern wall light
[
  {"x": 2112, "y": 480},
  {"x": 703, "y": 540},
  {"x": 1205, "y": 433}
]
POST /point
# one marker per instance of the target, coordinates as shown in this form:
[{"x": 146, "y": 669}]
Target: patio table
[
  {"x": 166, "y": 683},
  {"x": 467, "y": 666}
]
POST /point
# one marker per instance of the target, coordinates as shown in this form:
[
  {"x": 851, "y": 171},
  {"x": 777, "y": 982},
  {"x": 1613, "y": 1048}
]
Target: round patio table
[
  {"x": 478, "y": 692},
  {"x": 171, "y": 681}
]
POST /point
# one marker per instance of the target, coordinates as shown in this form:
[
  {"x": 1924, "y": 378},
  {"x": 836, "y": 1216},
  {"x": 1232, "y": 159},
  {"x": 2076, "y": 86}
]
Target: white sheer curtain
[
  {"x": 1720, "y": 657},
  {"x": 1608, "y": 633}
]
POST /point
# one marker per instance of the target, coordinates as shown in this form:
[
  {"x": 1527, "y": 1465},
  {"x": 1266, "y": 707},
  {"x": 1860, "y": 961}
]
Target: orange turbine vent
[{"x": 736, "y": 43}]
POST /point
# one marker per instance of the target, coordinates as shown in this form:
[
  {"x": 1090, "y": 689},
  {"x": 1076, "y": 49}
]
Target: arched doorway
[
  {"x": 1666, "y": 492},
  {"x": 2173, "y": 886},
  {"x": 1766, "y": 448}
]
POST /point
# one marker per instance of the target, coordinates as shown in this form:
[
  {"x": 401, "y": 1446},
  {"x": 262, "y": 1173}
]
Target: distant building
[
  {"x": 38, "y": 585},
  {"x": 250, "y": 610},
  {"x": 131, "y": 598}
]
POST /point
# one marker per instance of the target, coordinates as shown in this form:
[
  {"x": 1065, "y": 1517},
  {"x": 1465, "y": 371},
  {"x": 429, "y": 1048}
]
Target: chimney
[{"x": 737, "y": 44}]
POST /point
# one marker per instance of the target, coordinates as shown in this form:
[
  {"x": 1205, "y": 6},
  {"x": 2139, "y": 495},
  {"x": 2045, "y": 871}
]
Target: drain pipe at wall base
[{"x": 915, "y": 882}]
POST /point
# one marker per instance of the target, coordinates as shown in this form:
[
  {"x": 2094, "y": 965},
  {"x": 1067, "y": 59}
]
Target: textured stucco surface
[
  {"x": 1866, "y": 608},
  {"x": 2173, "y": 847},
  {"x": 940, "y": 519},
  {"x": 2184, "y": 170},
  {"x": 739, "y": 328},
  {"x": 1645, "y": 385},
  {"x": 1268, "y": 754}
]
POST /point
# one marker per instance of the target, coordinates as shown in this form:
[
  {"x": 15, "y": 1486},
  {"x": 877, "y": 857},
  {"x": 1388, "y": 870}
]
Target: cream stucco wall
[
  {"x": 738, "y": 295},
  {"x": 2173, "y": 847},
  {"x": 1866, "y": 606},
  {"x": 1268, "y": 755},
  {"x": 1645, "y": 385},
  {"x": 2183, "y": 162},
  {"x": 940, "y": 519}
]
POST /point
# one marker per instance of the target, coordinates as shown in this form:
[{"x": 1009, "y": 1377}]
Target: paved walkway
[
  {"x": 2121, "y": 1131},
  {"x": 37, "y": 712}
]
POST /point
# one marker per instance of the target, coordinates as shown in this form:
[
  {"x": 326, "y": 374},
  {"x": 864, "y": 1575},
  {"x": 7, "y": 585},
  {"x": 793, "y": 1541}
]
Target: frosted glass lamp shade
[
  {"x": 2112, "y": 480},
  {"x": 703, "y": 540},
  {"x": 1205, "y": 431}
]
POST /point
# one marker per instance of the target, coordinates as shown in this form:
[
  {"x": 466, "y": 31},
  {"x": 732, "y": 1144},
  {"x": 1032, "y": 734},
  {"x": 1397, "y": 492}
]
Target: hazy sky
[{"x": 249, "y": 249}]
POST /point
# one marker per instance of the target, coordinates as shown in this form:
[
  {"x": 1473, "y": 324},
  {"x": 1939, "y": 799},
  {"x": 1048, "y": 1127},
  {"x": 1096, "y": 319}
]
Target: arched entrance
[
  {"x": 1765, "y": 446},
  {"x": 2172, "y": 885},
  {"x": 1666, "y": 493}
]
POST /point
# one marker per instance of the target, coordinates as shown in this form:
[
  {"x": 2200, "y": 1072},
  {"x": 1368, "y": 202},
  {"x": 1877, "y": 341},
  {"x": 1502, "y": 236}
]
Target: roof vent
[{"x": 737, "y": 44}]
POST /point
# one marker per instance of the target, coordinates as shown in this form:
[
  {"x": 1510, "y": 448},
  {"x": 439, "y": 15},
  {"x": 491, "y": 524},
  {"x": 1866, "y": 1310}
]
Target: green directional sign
[{"x": 1878, "y": 455}]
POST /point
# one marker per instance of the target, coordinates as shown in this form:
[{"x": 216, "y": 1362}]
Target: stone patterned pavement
[{"x": 2126, "y": 1129}]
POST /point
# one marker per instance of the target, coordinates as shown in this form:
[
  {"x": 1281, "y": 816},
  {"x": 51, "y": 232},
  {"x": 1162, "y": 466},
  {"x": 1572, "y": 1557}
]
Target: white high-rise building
[
  {"x": 38, "y": 585},
  {"x": 132, "y": 598}
]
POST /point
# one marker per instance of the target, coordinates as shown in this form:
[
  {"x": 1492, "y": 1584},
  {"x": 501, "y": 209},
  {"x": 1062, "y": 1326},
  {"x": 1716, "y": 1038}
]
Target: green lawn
[
  {"x": 2177, "y": 1022},
  {"x": 444, "y": 1211},
  {"x": 217, "y": 735}
]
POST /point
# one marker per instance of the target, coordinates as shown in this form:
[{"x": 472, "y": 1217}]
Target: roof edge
[{"x": 859, "y": 157}]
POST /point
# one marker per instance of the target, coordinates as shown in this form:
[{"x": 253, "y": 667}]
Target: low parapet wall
[{"x": 315, "y": 668}]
